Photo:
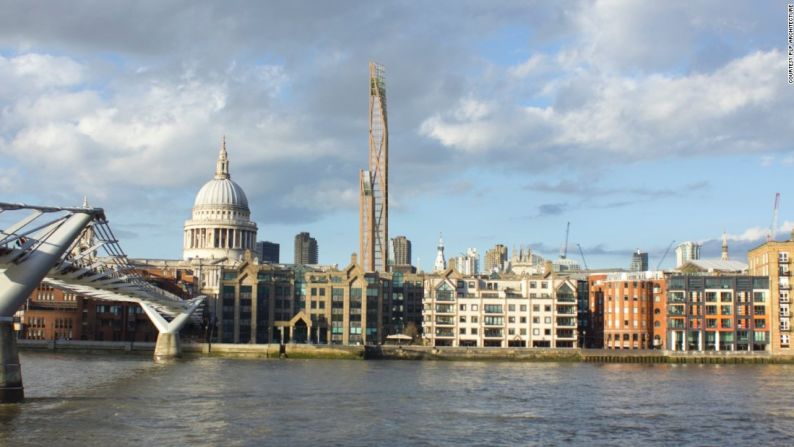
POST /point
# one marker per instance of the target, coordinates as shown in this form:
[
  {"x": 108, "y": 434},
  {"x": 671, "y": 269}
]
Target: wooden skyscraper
[{"x": 374, "y": 183}]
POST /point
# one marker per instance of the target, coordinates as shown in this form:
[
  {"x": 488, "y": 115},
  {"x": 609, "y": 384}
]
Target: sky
[{"x": 640, "y": 123}]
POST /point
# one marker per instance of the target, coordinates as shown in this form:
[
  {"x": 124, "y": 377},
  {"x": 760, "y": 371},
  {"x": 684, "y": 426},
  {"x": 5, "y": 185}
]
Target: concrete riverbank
[{"x": 411, "y": 352}]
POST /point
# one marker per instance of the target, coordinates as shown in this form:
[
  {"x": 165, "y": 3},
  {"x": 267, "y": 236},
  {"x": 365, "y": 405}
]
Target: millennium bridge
[{"x": 74, "y": 249}]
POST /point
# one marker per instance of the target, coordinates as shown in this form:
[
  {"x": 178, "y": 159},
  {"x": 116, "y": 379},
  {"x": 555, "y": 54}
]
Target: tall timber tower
[{"x": 374, "y": 183}]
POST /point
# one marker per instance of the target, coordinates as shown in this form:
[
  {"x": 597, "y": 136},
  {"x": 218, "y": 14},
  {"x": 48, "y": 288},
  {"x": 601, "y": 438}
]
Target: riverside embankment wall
[{"x": 411, "y": 352}]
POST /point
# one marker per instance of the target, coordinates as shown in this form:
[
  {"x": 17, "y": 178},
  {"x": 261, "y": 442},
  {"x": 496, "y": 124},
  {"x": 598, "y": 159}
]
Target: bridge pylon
[{"x": 25, "y": 269}]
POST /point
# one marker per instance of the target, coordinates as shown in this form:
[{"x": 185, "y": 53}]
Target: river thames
[{"x": 129, "y": 400}]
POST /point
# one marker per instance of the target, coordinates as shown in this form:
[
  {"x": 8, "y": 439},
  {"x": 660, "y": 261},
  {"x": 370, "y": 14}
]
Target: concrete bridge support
[
  {"x": 11, "y": 389},
  {"x": 24, "y": 273},
  {"x": 168, "y": 344}
]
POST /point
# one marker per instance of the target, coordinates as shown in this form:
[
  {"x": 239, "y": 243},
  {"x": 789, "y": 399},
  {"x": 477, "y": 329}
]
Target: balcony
[
  {"x": 566, "y": 333},
  {"x": 446, "y": 321},
  {"x": 566, "y": 310},
  {"x": 444, "y": 332},
  {"x": 566, "y": 322},
  {"x": 493, "y": 333}
]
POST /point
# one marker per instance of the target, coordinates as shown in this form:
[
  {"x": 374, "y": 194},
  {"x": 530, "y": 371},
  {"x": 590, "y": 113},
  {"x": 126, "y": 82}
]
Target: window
[
  {"x": 547, "y": 332},
  {"x": 536, "y": 320},
  {"x": 547, "y": 320},
  {"x": 492, "y": 308},
  {"x": 511, "y": 331},
  {"x": 474, "y": 307},
  {"x": 523, "y": 308},
  {"x": 463, "y": 307},
  {"x": 475, "y": 319},
  {"x": 711, "y": 310},
  {"x": 759, "y": 310},
  {"x": 725, "y": 310},
  {"x": 462, "y": 318},
  {"x": 523, "y": 331},
  {"x": 547, "y": 308},
  {"x": 463, "y": 331},
  {"x": 726, "y": 297},
  {"x": 535, "y": 331},
  {"x": 523, "y": 320},
  {"x": 760, "y": 324},
  {"x": 711, "y": 322},
  {"x": 511, "y": 319},
  {"x": 493, "y": 321},
  {"x": 511, "y": 307},
  {"x": 726, "y": 323},
  {"x": 474, "y": 331}
]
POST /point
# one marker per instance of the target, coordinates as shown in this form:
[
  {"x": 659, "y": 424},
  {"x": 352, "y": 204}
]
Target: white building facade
[{"x": 528, "y": 311}]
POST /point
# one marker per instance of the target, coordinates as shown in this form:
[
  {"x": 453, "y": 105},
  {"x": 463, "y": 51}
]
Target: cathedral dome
[
  {"x": 221, "y": 193},
  {"x": 221, "y": 225}
]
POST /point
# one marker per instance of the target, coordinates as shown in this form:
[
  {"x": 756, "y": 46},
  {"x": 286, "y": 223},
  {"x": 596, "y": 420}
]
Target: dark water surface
[{"x": 127, "y": 400}]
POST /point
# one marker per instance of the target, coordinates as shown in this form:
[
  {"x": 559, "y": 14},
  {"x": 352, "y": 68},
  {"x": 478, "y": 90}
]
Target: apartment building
[
  {"x": 718, "y": 313},
  {"x": 509, "y": 311},
  {"x": 626, "y": 310},
  {"x": 774, "y": 260}
]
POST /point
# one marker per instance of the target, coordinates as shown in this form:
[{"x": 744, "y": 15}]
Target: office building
[
  {"x": 306, "y": 251},
  {"x": 639, "y": 262},
  {"x": 685, "y": 252},
  {"x": 272, "y": 303},
  {"x": 402, "y": 250},
  {"x": 268, "y": 251}
]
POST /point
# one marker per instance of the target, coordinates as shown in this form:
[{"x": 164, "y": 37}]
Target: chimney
[{"x": 354, "y": 258}]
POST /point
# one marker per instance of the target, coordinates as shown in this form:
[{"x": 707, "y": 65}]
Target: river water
[{"x": 127, "y": 400}]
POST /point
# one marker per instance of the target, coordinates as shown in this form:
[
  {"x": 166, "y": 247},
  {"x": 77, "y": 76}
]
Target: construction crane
[
  {"x": 584, "y": 261},
  {"x": 773, "y": 227},
  {"x": 664, "y": 256},
  {"x": 564, "y": 248}
]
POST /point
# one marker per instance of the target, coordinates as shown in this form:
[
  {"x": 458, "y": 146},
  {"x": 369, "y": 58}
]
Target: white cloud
[{"x": 636, "y": 117}]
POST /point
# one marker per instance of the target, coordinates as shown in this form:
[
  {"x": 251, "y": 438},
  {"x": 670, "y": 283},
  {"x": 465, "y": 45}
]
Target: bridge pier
[
  {"x": 168, "y": 346},
  {"x": 11, "y": 390}
]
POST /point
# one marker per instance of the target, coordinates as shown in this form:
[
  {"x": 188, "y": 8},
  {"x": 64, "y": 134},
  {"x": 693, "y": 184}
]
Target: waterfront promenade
[{"x": 413, "y": 352}]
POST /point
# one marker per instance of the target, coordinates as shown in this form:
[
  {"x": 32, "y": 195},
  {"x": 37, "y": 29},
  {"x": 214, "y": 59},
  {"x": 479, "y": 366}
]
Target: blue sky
[{"x": 638, "y": 122}]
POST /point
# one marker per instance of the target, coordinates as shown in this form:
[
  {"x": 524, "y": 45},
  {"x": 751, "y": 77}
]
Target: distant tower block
[{"x": 374, "y": 183}]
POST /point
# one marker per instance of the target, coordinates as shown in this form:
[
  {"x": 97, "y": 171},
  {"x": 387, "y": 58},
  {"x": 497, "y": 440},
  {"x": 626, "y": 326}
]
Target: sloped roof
[{"x": 714, "y": 265}]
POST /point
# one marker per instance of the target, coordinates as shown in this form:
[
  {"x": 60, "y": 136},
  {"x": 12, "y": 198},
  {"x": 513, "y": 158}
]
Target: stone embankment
[{"x": 412, "y": 352}]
